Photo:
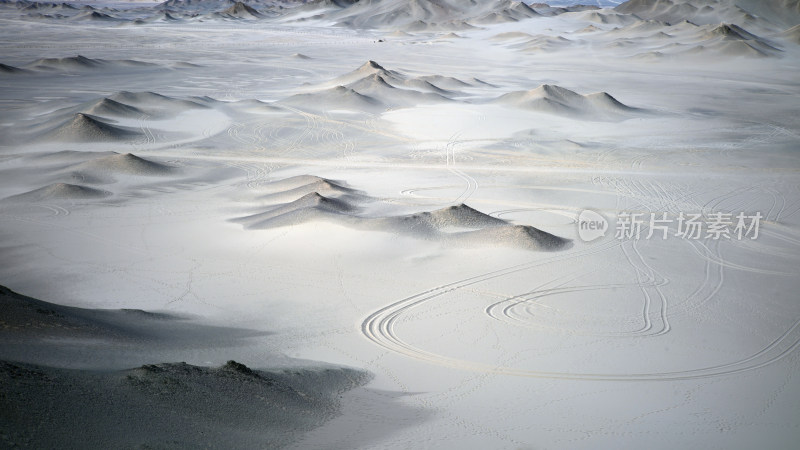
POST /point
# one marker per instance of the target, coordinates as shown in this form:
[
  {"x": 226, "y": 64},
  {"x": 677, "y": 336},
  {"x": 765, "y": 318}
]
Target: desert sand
[{"x": 356, "y": 224}]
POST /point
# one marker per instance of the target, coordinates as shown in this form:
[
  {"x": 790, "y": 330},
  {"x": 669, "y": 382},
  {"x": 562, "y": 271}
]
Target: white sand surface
[{"x": 353, "y": 188}]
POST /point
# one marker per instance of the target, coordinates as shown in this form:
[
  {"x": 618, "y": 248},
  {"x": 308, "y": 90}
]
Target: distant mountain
[{"x": 421, "y": 15}]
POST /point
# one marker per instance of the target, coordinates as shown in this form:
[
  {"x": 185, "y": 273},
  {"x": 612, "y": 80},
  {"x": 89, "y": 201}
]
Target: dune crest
[
  {"x": 126, "y": 163},
  {"x": 109, "y": 107},
  {"x": 374, "y": 88},
  {"x": 422, "y": 15},
  {"x": 59, "y": 191},
  {"x": 88, "y": 128},
  {"x": 459, "y": 225},
  {"x": 240, "y": 10},
  {"x": 554, "y": 99}
]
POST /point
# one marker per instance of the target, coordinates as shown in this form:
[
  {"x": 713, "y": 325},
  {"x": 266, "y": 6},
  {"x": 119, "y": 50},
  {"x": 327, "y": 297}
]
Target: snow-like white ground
[{"x": 648, "y": 343}]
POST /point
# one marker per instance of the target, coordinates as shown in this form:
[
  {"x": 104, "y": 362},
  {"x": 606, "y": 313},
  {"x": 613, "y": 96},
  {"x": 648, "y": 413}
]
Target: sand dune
[
  {"x": 547, "y": 10},
  {"x": 239, "y": 10},
  {"x": 454, "y": 225},
  {"x": 69, "y": 63},
  {"x": 151, "y": 98},
  {"x": 588, "y": 29},
  {"x": 256, "y": 106},
  {"x": 451, "y": 219},
  {"x": 307, "y": 208},
  {"x": 125, "y": 163},
  {"x": 195, "y": 5},
  {"x": 705, "y": 12},
  {"x": 368, "y": 69},
  {"x": 322, "y": 186},
  {"x": 449, "y": 83},
  {"x": 395, "y": 88},
  {"x": 792, "y": 34},
  {"x": 87, "y": 128},
  {"x": 425, "y": 15},
  {"x": 558, "y": 100},
  {"x": 451, "y": 35},
  {"x": 507, "y": 12},
  {"x": 373, "y": 88},
  {"x": 731, "y": 40},
  {"x": 378, "y": 87},
  {"x": 512, "y": 36},
  {"x": 63, "y": 157},
  {"x": 518, "y": 236},
  {"x": 161, "y": 16},
  {"x": 82, "y": 167},
  {"x": 605, "y": 18},
  {"x": 159, "y": 105},
  {"x": 36, "y": 6},
  {"x": 420, "y": 26},
  {"x": 426, "y": 86},
  {"x": 782, "y": 13},
  {"x": 40, "y": 332},
  {"x": 184, "y": 65},
  {"x": 530, "y": 43},
  {"x": 238, "y": 406},
  {"x": 298, "y": 181},
  {"x": 234, "y": 406},
  {"x": 108, "y": 107},
  {"x": 640, "y": 28},
  {"x": 720, "y": 40},
  {"x": 58, "y": 191},
  {"x": 339, "y": 97},
  {"x": 730, "y": 31},
  {"x": 6, "y": 69},
  {"x": 25, "y": 317},
  {"x": 82, "y": 63},
  {"x": 73, "y": 172},
  {"x": 433, "y": 83},
  {"x": 94, "y": 16}
]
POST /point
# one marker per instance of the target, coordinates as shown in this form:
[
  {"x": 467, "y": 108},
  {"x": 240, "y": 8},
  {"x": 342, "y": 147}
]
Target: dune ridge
[
  {"x": 422, "y": 15},
  {"x": 239, "y": 10},
  {"x": 459, "y": 225},
  {"x": 554, "y": 99},
  {"x": 126, "y": 163},
  {"x": 238, "y": 405},
  {"x": 374, "y": 88},
  {"x": 88, "y": 128},
  {"x": 58, "y": 191}
]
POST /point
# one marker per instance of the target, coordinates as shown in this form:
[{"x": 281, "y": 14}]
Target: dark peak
[
  {"x": 378, "y": 78},
  {"x": 88, "y": 119},
  {"x": 235, "y": 367},
  {"x": 732, "y": 31},
  {"x": 9, "y": 69},
  {"x": 556, "y": 91},
  {"x": 373, "y": 65},
  {"x": 462, "y": 207},
  {"x": 313, "y": 196}
]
